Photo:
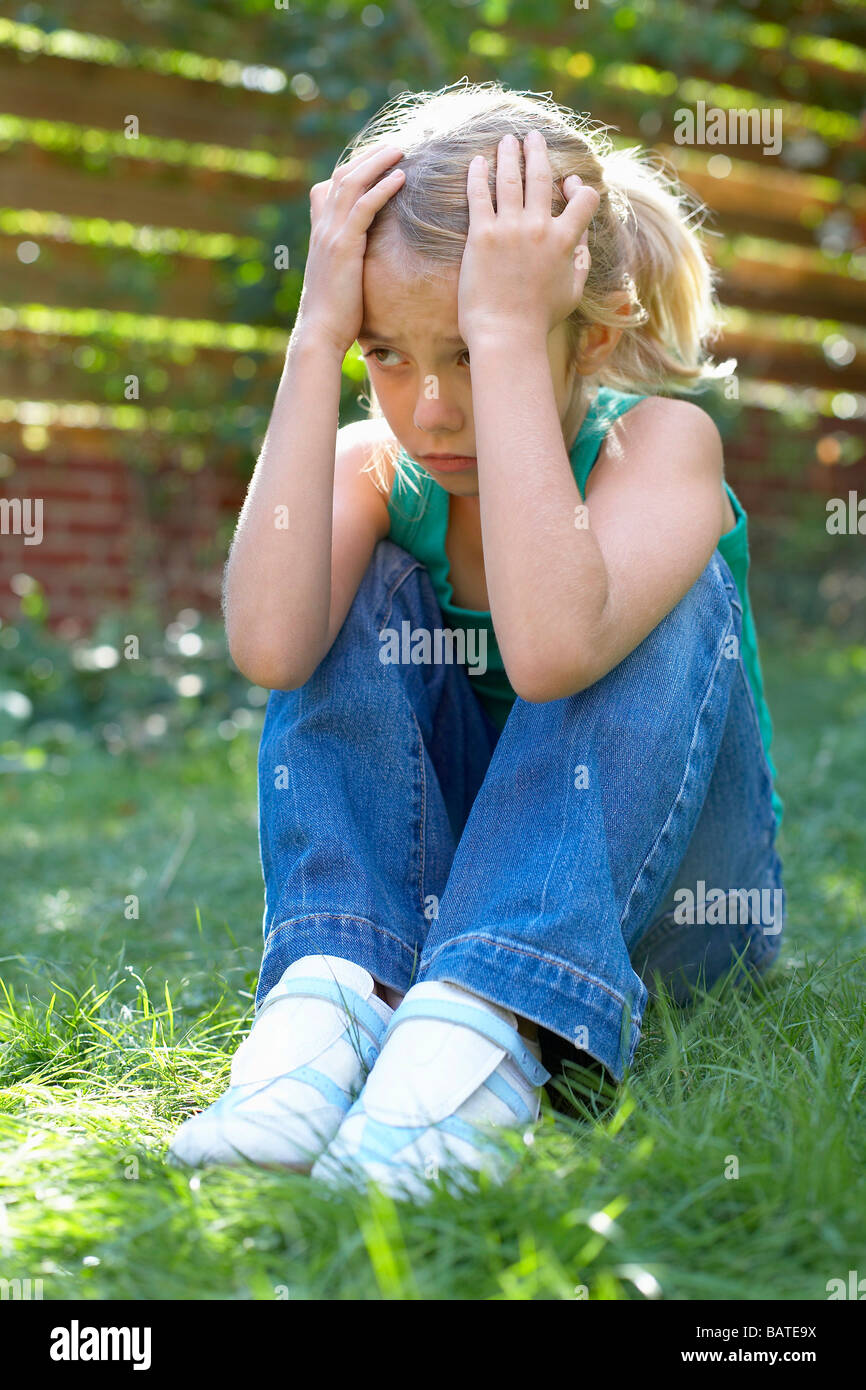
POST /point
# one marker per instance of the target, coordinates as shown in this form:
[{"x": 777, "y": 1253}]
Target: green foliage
[{"x": 55, "y": 693}]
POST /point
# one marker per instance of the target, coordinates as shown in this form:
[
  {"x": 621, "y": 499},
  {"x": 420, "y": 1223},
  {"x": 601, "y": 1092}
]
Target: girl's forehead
[
  {"x": 386, "y": 269},
  {"x": 399, "y": 298}
]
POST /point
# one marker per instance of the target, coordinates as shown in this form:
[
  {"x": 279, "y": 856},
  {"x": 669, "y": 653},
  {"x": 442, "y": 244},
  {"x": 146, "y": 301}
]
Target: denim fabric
[{"x": 544, "y": 867}]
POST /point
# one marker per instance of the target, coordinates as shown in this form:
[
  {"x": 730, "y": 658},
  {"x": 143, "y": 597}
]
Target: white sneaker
[
  {"x": 452, "y": 1069},
  {"x": 314, "y": 1038}
]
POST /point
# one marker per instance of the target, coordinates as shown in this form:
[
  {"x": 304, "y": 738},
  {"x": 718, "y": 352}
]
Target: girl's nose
[{"x": 434, "y": 412}]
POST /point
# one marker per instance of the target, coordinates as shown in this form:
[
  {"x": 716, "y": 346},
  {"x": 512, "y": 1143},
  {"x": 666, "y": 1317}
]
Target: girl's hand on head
[
  {"x": 341, "y": 210},
  {"x": 523, "y": 269}
]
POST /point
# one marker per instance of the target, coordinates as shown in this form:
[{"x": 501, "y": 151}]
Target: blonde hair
[{"x": 644, "y": 237}]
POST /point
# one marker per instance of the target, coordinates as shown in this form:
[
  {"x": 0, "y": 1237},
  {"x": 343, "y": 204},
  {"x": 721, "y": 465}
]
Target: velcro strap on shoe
[
  {"x": 341, "y": 995},
  {"x": 502, "y": 1034},
  {"x": 328, "y": 1089}
]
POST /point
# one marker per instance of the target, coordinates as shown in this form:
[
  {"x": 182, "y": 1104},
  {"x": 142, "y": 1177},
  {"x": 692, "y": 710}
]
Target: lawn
[{"x": 114, "y": 1027}]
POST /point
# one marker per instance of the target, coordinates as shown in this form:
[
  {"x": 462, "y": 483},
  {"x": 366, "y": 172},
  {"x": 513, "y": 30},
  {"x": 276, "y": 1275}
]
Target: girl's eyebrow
[{"x": 368, "y": 332}]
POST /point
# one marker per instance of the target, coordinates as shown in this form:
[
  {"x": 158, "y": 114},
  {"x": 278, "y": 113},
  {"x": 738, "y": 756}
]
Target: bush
[{"x": 132, "y": 682}]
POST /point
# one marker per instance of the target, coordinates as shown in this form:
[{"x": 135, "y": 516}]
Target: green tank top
[{"x": 419, "y": 521}]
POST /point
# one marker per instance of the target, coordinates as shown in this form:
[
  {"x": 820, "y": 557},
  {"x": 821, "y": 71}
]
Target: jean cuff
[
  {"x": 357, "y": 939},
  {"x": 590, "y": 1015}
]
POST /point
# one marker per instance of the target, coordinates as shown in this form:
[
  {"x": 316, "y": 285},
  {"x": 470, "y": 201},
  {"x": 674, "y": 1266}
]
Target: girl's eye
[{"x": 373, "y": 351}]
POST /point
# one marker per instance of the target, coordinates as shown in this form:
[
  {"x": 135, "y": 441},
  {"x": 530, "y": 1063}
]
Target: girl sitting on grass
[{"x": 474, "y": 871}]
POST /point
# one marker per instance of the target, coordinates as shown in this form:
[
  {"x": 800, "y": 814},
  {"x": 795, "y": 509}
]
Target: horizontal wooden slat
[
  {"x": 32, "y": 371},
  {"x": 757, "y": 285},
  {"x": 795, "y": 364},
  {"x": 764, "y": 74},
  {"x": 228, "y": 33},
  {"x": 134, "y": 449},
  {"x": 139, "y": 191},
  {"x": 784, "y": 204},
  {"x": 842, "y": 19},
  {"x": 94, "y": 94},
  {"x": 99, "y": 277}
]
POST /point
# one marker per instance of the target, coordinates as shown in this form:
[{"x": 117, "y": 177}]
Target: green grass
[{"x": 113, "y": 1029}]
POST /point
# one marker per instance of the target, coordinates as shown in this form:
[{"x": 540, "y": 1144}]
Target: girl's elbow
[
  {"x": 260, "y": 668},
  {"x": 538, "y": 681}
]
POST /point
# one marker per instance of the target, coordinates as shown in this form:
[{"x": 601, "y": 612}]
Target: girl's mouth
[{"x": 448, "y": 463}]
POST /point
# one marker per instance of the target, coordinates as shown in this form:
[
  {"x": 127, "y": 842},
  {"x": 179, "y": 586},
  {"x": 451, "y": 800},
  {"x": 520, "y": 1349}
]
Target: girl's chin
[{"x": 460, "y": 484}]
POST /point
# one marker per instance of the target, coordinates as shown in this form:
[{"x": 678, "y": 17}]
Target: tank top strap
[{"x": 604, "y": 410}]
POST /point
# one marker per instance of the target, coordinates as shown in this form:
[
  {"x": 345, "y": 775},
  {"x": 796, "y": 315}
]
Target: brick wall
[{"x": 103, "y": 542}]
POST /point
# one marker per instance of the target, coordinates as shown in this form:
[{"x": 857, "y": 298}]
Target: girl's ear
[{"x": 598, "y": 340}]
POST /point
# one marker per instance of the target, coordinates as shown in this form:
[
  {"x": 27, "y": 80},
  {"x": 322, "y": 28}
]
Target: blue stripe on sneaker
[
  {"x": 470, "y": 1134},
  {"x": 502, "y": 1034},
  {"x": 332, "y": 1093},
  {"x": 327, "y": 1088},
  {"x": 380, "y": 1141},
  {"x": 335, "y": 993},
  {"x": 507, "y": 1094}
]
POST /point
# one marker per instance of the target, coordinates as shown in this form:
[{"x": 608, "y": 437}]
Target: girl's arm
[
  {"x": 300, "y": 542},
  {"x": 568, "y": 602},
  {"x": 277, "y": 585}
]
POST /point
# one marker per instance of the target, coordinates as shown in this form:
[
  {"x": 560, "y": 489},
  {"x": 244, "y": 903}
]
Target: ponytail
[{"x": 671, "y": 282}]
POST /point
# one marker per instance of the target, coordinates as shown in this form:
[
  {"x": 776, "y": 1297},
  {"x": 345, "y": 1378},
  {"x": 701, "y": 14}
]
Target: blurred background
[{"x": 155, "y": 161}]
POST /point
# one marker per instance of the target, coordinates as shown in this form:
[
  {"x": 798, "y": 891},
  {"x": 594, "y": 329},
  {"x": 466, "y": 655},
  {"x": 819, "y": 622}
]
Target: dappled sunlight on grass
[{"x": 727, "y": 1165}]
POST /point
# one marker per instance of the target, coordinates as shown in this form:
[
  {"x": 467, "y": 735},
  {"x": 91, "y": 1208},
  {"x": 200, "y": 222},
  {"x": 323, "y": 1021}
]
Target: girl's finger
[
  {"x": 369, "y": 203},
  {"x": 359, "y": 158},
  {"x": 509, "y": 185},
  {"x": 478, "y": 192},
  {"x": 580, "y": 209},
  {"x": 365, "y": 171},
  {"x": 539, "y": 175},
  {"x": 318, "y": 194}
]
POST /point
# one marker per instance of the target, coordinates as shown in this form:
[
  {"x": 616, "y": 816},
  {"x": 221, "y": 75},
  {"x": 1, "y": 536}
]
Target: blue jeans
[{"x": 553, "y": 868}]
